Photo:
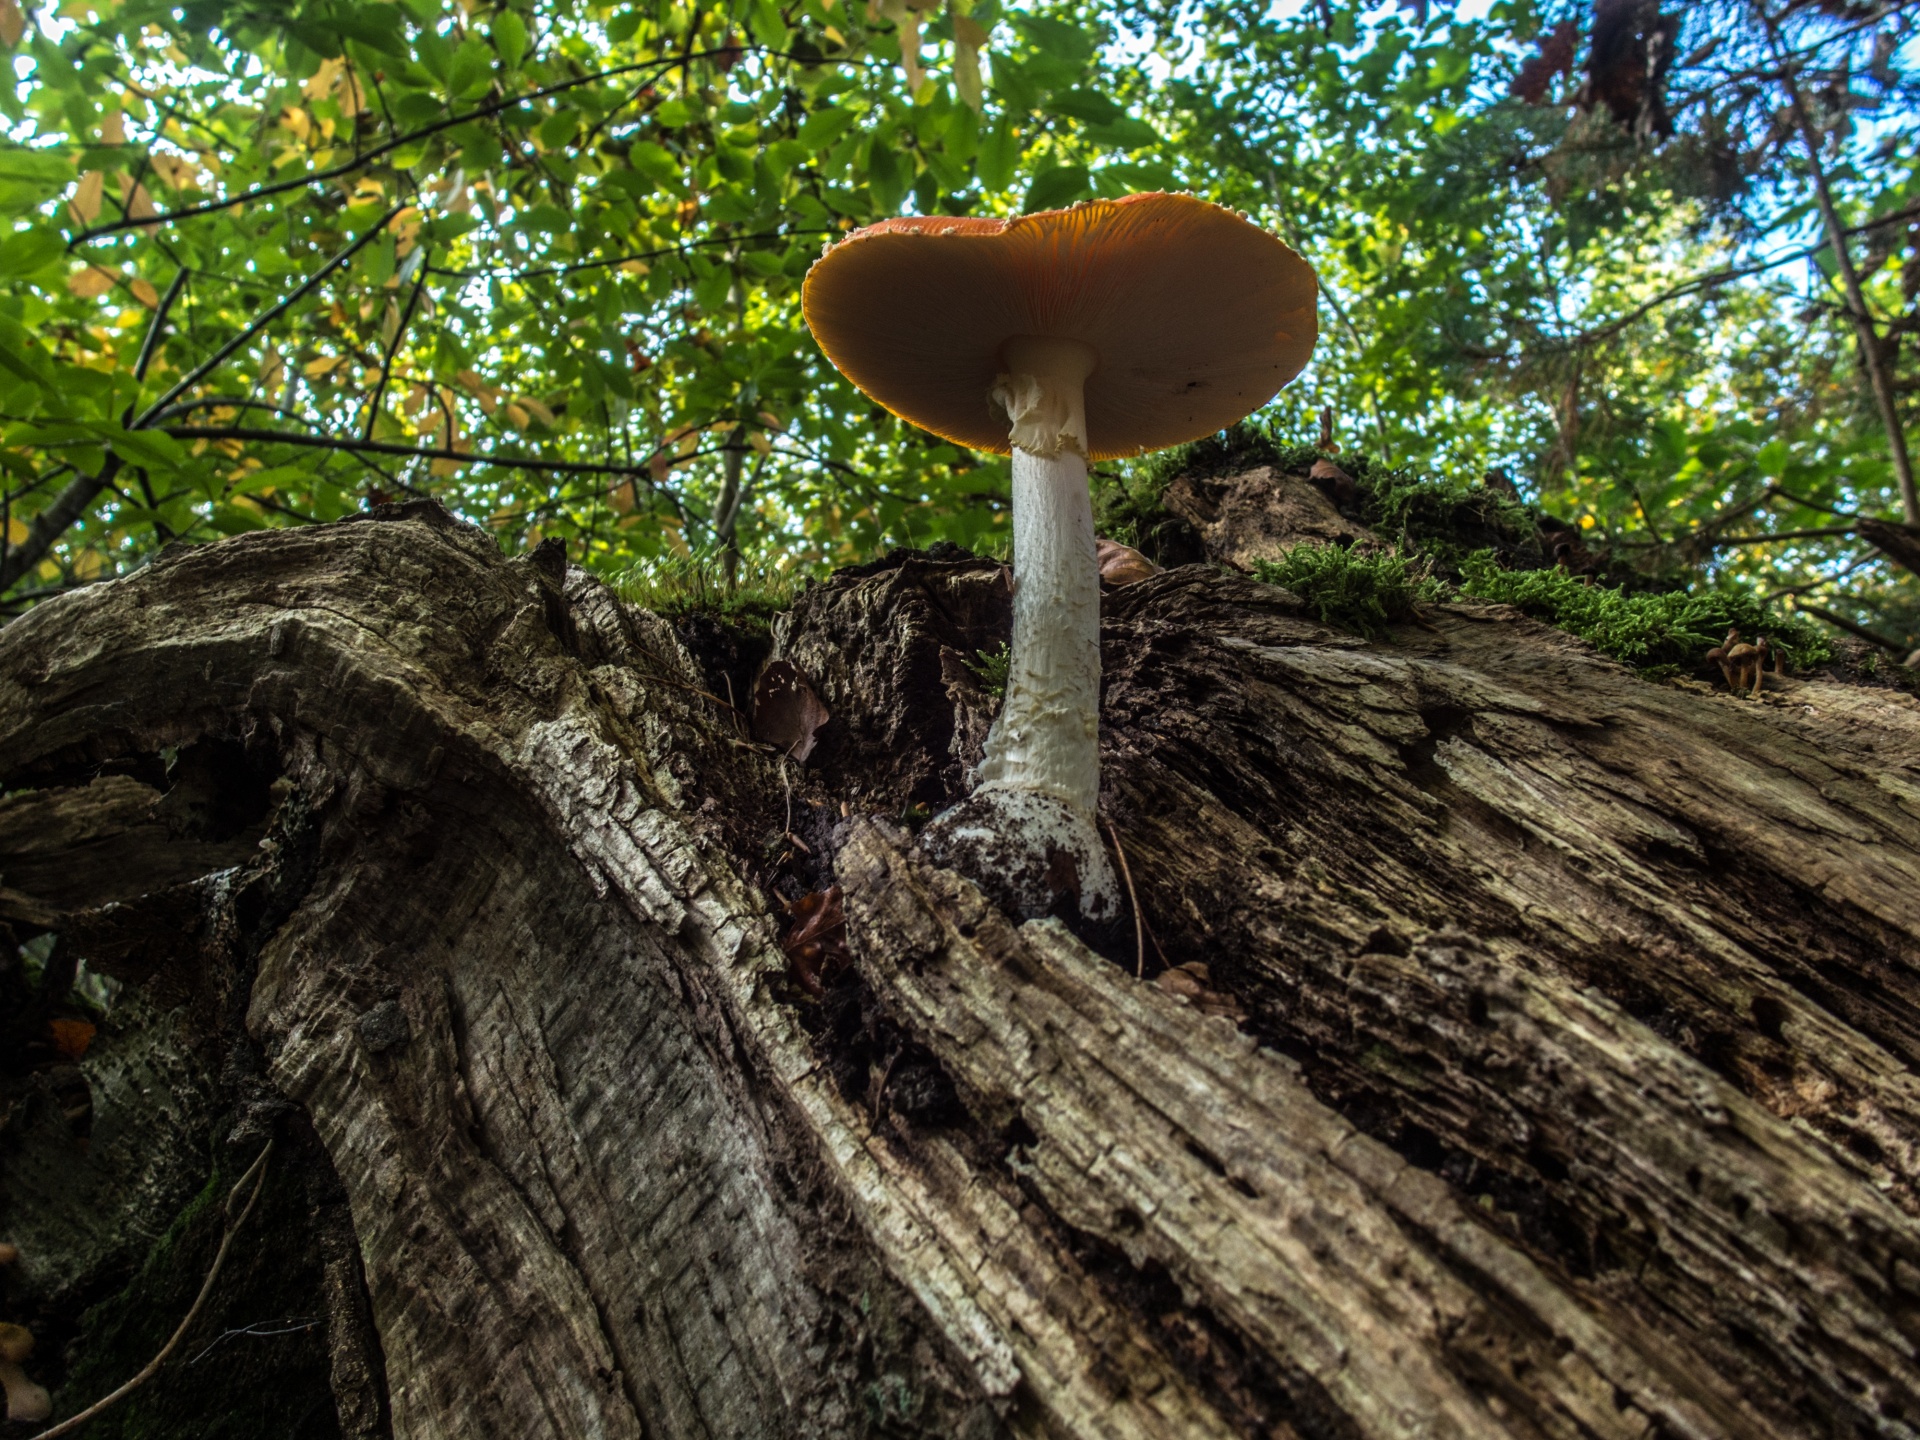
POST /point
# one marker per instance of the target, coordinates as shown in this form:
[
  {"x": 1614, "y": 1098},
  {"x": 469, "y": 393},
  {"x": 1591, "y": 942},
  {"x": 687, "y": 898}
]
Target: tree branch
[
  {"x": 71, "y": 503},
  {"x": 386, "y": 362},
  {"x": 1868, "y": 336},
  {"x": 360, "y": 162},
  {"x": 1872, "y": 637},
  {"x": 410, "y": 452}
]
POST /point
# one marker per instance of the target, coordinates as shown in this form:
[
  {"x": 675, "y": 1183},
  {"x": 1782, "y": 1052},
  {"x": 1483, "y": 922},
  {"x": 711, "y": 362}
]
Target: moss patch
[
  {"x": 1674, "y": 629},
  {"x": 697, "y": 585},
  {"x": 1355, "y": 590}
]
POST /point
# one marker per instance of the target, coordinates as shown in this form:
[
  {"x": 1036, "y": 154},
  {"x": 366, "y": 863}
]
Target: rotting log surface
[{"x": 1575, "y": 1094}]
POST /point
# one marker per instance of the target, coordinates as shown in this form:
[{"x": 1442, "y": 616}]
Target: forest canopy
[{"x": 265, "y": 262}]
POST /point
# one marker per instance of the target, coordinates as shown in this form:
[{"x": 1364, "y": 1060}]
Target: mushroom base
[{"x": 1030, "y": 853}]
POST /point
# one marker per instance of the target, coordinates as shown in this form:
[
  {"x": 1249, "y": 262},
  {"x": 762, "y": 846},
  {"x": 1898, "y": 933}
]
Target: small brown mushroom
[
  {"x": 1742, "y": 664},
  {"x": 26, "y": 1401},
  {"x": 1122, "y": 564},
  {"x": 1718, "y": 655}
]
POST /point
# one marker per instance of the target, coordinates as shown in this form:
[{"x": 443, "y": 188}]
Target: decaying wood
[{"x": 1575, "y": 1094}]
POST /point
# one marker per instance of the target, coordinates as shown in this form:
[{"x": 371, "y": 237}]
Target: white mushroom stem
[
  {"x": 1047, "y": 736},
  {"x": 26, "y": 1401}
]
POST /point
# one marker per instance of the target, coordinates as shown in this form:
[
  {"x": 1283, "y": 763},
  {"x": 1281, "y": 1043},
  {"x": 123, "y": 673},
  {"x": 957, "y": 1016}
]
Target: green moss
[
  {"x": 697, "y": 585},
  {"x": 1652, "y": 631},
  {"x": 1356, "y": 590}
]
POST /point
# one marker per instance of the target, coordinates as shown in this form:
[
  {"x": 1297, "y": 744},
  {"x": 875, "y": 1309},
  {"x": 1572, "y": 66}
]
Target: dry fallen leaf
[
  {"x": 816, "y": 945},
  {"x": 71, "y": 1037},
  {"x": 786, "y": 712}
]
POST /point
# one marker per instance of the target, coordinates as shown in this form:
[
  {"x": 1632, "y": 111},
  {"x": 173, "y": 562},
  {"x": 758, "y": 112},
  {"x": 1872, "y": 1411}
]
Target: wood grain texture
[{"x": 1575, "y": 1096}]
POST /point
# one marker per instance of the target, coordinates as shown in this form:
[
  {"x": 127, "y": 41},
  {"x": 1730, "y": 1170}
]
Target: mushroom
[
  {"x": 1718, "y": 655},
  {"x": 1122, "y": 564},
  {"x": 26, "y": 1401},
  {"x": 1111, "y": 329}
]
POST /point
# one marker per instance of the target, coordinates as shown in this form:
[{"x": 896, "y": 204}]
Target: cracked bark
[{"x": 1575, "y": 1095}]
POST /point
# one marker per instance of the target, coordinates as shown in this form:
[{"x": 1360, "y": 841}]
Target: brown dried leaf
[
  {"x": 816, "y": 943},
  {"x": 13, "y": 24},
  {"x": 90, "y": 282},
  {"x": 87, "y": 195},
  {"x": 71, "y": 1037},
  {"x": 786, "y": 712}
]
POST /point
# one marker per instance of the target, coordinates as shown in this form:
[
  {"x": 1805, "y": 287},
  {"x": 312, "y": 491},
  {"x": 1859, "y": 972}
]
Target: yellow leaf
[
  {"x": 113, "y": 130},
  {"x": 297, "y": 120},
  {"x": 546, "y": 415},
  {"x": 89, "y": 565},
  {"x": 320, "y": 366},
  {"x": 635, "y": 267},
  {"x": 771, "y": 420},
  {"x": 90, "y": 282},
  {"x": 517, "y": 415},
  {"x": 322, "y": 81},
  {"x": 16, "y": 531},
  {"x": 12, "y": 23},
  {"x": 180, "y": 173},
  {"x": 144, "y": 292},
  {"x": 87, "y": 195},
  {"x": 761, "y": 444},
  {"x": 139, "y": 203},
  {"x": 271, "y": 370},
  {"x": 833, "y": 33}
]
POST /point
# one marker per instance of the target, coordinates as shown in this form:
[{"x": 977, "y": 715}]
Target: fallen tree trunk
[{"x": 1522, "y": 1048}]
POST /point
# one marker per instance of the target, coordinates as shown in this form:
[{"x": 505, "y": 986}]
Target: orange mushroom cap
[{"x": 1197, "y": 315}]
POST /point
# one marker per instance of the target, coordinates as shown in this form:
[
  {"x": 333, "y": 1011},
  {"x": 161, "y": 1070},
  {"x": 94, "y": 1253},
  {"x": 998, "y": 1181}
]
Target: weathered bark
[{"x": 1574, "y": 1097}]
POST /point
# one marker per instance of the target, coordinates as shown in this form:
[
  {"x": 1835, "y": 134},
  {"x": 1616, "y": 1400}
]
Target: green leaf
[
  {"x": 471, "y": 70},
  {"x": 1084, "y": 105},
  {"x": 144, "y": 447},
  {"x": 22, "y": 357},
  {"x": 1127, "y": 133},
  {"x": 823, "y": 127},
  {"x": 1059, "y": 186},
  {"x": 621, "y": 27},
  {"x": 510, "y": 38},
  {"x": 999, "y": 153},
  {"x": 378, "y": 27},
  {"x": 40, "y": 166},
  {"x": 887, "y": 178},
  {"x": 559, "y": 129},
  {"x": 27, "y": 252},
  {"x": 1057, "y": 39}
]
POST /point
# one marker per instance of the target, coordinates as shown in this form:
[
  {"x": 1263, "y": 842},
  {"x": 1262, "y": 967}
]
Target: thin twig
[
  {"x": 206, "y": 367},
  {"x": 1853, "y": 627},
  {"x": 1139, "y": 928},
  {"x": 360, "y": 162},
  {"x": 1879, "y": 382},
  {"x": 257, "y": 1173},
  {"x": 386, "y": 363}
]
